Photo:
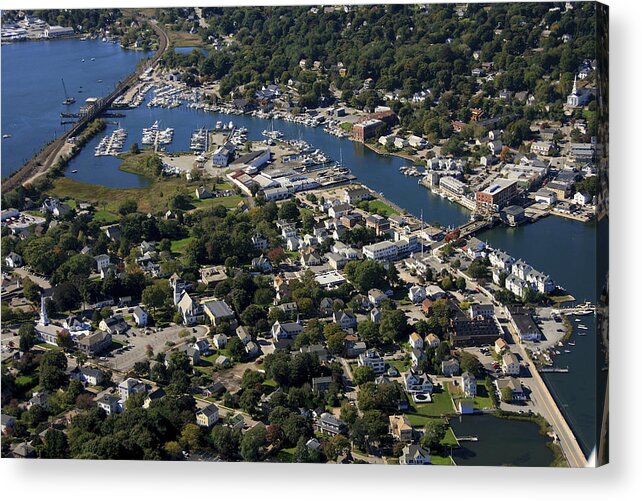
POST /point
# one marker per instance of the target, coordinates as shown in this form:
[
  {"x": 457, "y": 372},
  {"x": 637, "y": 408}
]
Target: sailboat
[{"x": 68, "y": 99}]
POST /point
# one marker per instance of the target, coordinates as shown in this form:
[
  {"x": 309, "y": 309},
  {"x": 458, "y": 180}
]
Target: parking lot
[{"x": 137, "y": 341}]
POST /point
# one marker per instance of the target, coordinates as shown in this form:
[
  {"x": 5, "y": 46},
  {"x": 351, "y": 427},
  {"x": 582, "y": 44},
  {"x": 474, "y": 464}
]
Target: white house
[
  {"x": 417, "y": 383},
  {"x": 546, "y": 196},
  {"x": 372, "y": 359},
  {"x": 510, "y": 364},
  {"x": 102, "y": 262},
  {"x": 129, "y": 387},
  {"x": 345, "y": 319},
  {"x": 582, "y": 198},
  {"x": 219, "y": 340},
  {"x": 207, "y": 416},
  {"x": 414, "y": 454},
  {"x": 13, "y": 260},
  {"x": 376, "y": 296},
  {"x": 432, "y": 340},
  {"x": 416, "y": 341},
  {"x": 417, "y": 294},
  {"x": 469, "y": 385},
  {"x": 140, "y": 316}
]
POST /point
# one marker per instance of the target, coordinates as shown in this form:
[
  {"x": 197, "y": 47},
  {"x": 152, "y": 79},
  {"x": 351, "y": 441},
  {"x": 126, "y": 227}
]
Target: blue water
[
  {"x": 32, "y": 91},
  {"x": 562, "y": 248},
  {"x": 188, "y": 50}
]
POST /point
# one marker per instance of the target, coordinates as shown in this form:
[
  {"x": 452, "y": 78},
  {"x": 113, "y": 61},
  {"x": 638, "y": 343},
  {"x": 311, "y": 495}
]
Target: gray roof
[
  {"x": 219, "y": 309},
  {"x": 209, "y": 411}
]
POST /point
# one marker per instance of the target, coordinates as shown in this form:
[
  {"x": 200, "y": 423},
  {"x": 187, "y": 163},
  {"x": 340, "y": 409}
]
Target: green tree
[
  {"x": 28, "y": 338},
  {"x": 507, "y": 394},
  {"x": 434, "y": 433},
  {"x": 155, "y": 296},
  {"x": 252, "y": 442},
  {"x": 362, "y": 375}
]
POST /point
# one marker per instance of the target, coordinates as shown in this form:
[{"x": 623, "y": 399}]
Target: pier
[
  {"x": 560, "y": 370},
  {"x": 47, "y": 156}
]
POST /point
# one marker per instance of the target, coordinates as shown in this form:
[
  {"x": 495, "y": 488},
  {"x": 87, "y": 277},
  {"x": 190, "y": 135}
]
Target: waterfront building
[
  {"x": 522, "y": 321},
  {"x": 363, "y": 131},
  {"x": 546, "y": 196},
  {"x": 354, "y": 195},
  {"x": 452, "y": 186},
  {"x": 497, "y": 195},
  {"x": 414, "y": 454}
]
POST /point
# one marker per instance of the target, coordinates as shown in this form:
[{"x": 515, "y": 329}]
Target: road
[{"x": 550, "y": 411}]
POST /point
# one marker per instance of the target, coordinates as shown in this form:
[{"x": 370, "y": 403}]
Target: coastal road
[{"x": 550, "y": 411}]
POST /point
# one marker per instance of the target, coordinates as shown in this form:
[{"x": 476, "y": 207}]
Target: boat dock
[
  {"x": 559, "y": 370},
  {"x": 111, "y": 145}
]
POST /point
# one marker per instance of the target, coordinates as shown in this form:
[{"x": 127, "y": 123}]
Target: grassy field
[
  {"x": 346, "y": 126},
  {"x": 382, "y": 208},
  {"x": 155, "y": 198},
  {"x": 178, "y": 246},
  {"x": 481, "y": 401},
  {"x": 105, "y": 217},
  {"x": 401, "y": 365},
  {"x": 185, "y": 39}
]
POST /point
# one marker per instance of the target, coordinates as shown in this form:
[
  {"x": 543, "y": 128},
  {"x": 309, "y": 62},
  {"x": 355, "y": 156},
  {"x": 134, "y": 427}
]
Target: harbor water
[
  {"x": 562, "y": 248},
  {"x": 32, "y": 90}
]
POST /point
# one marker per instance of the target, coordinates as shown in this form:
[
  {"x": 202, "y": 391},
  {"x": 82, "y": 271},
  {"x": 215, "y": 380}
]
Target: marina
[
  {"x": 111, "y": 145},
  {"x": 155, "y": 136}
]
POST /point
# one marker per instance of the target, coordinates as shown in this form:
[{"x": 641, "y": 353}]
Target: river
[{"x": 562, "y": 248}]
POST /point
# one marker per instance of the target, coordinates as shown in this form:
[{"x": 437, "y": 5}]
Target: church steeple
[
  {"x": 574, "y": 85},
  {"x": 43, "y": 312}
]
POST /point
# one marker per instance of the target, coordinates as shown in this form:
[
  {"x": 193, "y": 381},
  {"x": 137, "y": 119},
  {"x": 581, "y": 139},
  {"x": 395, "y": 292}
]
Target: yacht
[
  {"x": 583, "y": 327},
  {"x": 93, "y": 58},
  {"x": 6, "y": 136},
  {"x": 82, "y": 60},
  {"x": 74, "y": 171}
]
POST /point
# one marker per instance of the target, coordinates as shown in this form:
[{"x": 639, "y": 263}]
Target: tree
[
  {"x": 31, "y": 290},
  {"x": 335, "y": 446},
  {"x": 127, "y": 207},
  {"x": 66, "y": 297},
  {"x": 134, "y": 149},
  {"x": 470, "y": 363},
  {"x": 55, "y": 445},
  {"x": 363, "y": 374},
  {"x": 507, "y": 394},
  {"x": 393, "y": 325},
  {"x": 28, "y": 337},
  {"x": 334, "y": 337},
  {"x": 249, "y": 401},
  {"x": 252, "y": 442},
  {"x": 52, "y": 370},
  {"x": 191, "y": 436},
  {"x": 434, "y": 433},
  {"x": 236, "y": 349},
  {"x": 155, "y": 296},
  {"x": 226, "y": 441},
  {"x": 369, "y": 332},
  {"x": 289, "y": 211},
  {"x": 366, "y": 275}
]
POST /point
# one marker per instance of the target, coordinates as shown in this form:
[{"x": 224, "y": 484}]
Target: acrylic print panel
[{"x": 338, "y": 234}]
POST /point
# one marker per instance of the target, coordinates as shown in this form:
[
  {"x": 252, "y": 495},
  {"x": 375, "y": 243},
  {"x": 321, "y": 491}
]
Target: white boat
[
  {"x": 581, "y": 333},
  {"x": 74, "y": 171},
  {"x": 571, "y": 343},
  {"x": 82, "y": 60},
  {"x": 567, "y": 351},
  {"x": 583, "y": 327},
  {"x": 577, "y": 320},
  {"x": 583, "y": 312},
  {"x": 6, "y": 136},
  {"x": 93, "y": 58}
]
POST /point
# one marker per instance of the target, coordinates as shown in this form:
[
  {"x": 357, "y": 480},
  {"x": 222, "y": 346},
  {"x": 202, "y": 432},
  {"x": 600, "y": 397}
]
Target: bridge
[{"x": 46, "y": 157}]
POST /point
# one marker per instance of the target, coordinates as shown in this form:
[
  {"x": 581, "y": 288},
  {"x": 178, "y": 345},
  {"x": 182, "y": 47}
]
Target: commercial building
[
  {"x": 363, "y": 131},
  {"x": 497, "y": 195}
]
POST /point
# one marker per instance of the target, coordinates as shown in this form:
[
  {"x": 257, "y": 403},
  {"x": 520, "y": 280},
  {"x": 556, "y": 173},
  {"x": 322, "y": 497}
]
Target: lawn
[
  {"x": 178, "y": 246},
  {"x": 481, "y": 401},
  {"x": 441, "y": 405},
  {"x": 382, "y": 208},
  {"x": 105, "y": 217},
  {"x": 285, "y": 455},
  {"x": 401, "y": 365},
  {"x": 346, "y": 126},
  {"x": 441, "y": 460}
]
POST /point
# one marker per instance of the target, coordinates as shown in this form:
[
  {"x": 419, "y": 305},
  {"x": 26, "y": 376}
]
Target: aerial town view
[{"x": 314, "y": 234}]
